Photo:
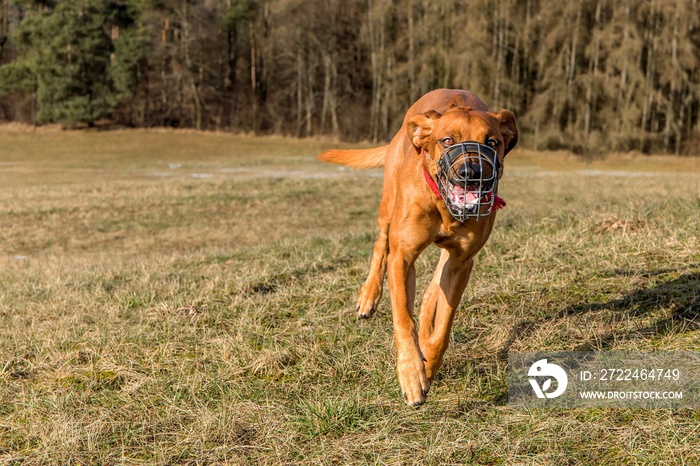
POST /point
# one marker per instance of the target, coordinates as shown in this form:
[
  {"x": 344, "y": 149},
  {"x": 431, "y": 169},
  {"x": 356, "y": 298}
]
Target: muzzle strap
[{"x": 498, "y": 203}]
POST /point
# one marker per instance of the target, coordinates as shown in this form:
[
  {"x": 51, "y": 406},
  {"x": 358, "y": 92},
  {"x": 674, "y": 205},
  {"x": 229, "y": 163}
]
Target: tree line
[{"x": 587, "y": 75}]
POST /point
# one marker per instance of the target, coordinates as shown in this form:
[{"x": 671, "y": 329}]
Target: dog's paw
[
  {"x": 368, "y": 300},
  {"x": 414, "y": 383}
]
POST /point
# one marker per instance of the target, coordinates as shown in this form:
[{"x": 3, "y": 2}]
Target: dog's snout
[
  {"x": 462, "y": 171},
  {"x": 468, "y": 171}
]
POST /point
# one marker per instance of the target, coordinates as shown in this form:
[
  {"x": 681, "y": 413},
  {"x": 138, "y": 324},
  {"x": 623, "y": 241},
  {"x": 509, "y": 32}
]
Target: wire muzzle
[{"x": 467, "y": 177}]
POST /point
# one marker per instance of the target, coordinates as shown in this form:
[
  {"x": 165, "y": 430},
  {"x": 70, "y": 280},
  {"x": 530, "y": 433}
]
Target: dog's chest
[{"x": 466, "y": 237}]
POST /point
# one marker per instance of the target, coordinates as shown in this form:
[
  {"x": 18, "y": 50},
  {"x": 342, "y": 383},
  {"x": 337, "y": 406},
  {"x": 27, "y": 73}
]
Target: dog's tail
[{"x": 362, "y": 158}]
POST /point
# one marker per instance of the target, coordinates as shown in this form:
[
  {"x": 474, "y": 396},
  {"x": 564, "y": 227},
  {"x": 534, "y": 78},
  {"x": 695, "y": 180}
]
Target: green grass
[{"x": 181, "y": 298}]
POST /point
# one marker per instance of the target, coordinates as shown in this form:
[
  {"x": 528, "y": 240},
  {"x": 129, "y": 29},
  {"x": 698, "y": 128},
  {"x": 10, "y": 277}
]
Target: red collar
[
  {"x": 498, "y": 203},
  {"x": 431, "y": 183}
]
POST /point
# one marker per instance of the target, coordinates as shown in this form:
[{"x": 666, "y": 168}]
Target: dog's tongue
[
  {"x": 459, "y": 196},
  {"x": 472, "y": 197}
]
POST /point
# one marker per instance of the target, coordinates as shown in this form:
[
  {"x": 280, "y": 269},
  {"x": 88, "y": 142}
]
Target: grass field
[{"x": 183, "y": 298}]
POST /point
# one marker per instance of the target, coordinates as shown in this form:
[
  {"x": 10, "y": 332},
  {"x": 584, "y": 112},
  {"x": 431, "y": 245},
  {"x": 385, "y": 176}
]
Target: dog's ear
[
  {"x": 509, "y": 129},
  {"x": 420, "y": 127}
]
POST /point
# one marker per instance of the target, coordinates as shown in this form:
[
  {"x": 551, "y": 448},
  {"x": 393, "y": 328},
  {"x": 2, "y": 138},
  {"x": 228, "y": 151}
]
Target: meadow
[{"x": 174, "y": 297}]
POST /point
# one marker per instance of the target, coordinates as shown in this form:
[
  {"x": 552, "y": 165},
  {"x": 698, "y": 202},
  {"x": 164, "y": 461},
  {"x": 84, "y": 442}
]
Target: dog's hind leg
[
  {"x": 440, "y": 302},
  {"x": 371, "y": 291}
]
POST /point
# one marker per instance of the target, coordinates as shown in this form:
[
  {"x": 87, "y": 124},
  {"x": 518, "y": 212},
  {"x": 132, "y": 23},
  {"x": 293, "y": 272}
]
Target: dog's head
[
  {"x": 464, "y": 150},
  {"x": 432, "y": 132}
]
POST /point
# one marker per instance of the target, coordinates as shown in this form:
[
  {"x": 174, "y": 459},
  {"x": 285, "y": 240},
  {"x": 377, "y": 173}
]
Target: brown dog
[{"x": 412, "y": 214}]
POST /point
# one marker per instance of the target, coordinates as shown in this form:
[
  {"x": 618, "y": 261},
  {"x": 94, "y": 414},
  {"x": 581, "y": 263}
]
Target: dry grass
[{"x": 183, "y": 298}]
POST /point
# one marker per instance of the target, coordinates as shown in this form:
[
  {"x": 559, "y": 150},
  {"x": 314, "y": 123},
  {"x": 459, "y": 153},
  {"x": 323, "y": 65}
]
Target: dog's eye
[
  {"x": 446, "y": 141},
  {"x": 492, "y": 142}
]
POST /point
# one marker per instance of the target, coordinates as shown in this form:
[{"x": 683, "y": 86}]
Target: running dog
[{"x": 441, "y": 173}]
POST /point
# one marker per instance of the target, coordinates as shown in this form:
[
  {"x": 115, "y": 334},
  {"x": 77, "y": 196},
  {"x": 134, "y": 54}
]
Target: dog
[{"x": 449, "y": 147}]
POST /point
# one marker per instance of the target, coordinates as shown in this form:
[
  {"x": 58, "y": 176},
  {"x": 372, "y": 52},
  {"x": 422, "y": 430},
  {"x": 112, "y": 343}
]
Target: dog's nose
[{"x": 469, "y": 171}]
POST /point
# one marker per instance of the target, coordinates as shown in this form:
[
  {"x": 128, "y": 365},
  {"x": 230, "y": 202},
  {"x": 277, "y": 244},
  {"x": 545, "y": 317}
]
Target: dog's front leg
[
  {"x": 440, "y": 303},
  {"x": 430, "y": 300},
  {"x": 402, "y": 287}
]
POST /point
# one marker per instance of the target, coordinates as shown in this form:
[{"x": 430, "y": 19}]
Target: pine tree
[{"x": 67, "y": 56}]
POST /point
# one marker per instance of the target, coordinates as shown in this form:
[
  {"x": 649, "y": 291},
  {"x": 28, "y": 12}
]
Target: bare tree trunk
[
  {"x": 186, "y": 46},
  {"x": 499, "y": 38},
  {"x": 308, "y": 88},
  {"x": 253, "y": 77},
  {"x": 571, "y": 72},
  {"x": 335, "y": 125},
  {"x": 229, "y": 81},
  {"x": 299, "y": 90},
  {"x": 309, "y": 104},
  {"x": 385, "y": 101},
  {"x": 527, "y": 52},
  {"x": 650, "y": 40},
  {"x": 694, "y": 92},
  {"x": 145, "y": 108},
  {"x": 377, "y": 37},
  {"x": 515, "y": 73},
  {"x": 681, "y": 122},
  {"x": 622, "y": 98},
  {"x": 376, "y": 74},
  {"x": 411, "y": 55},
  {"x": 266, "y": 60},
  {"x": 3, "y": 25},
  {"x": 593, "y": 71},
  {"x": 675, "y": 73},
  {"x": 447, "y": 42},
  {"x": 164, "y": 71},
  {"x": 330, "y": 105},
  {"x": 330, "y": 79},
  {"x": 325, "y": 107}
]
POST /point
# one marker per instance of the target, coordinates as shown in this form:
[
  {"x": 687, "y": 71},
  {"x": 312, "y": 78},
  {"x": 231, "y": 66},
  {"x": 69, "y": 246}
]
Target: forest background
[{"x": 590, "y": 76}]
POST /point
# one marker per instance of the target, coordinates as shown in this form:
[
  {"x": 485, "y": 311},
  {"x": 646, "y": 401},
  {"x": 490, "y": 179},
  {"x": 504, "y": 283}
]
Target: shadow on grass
[
  {"x": 681, "y": 296},
  {"x": 272, "y": 283}
]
